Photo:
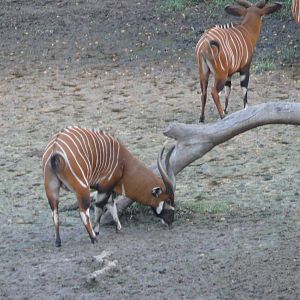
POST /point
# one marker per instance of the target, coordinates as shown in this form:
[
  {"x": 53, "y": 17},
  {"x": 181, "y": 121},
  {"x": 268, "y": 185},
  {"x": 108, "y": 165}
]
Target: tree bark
[{"x": 194, "y": 141}]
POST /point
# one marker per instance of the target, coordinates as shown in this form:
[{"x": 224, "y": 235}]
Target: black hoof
[
  {"x": 58, "y": 243},
  {"x": 94, "y": 240}
]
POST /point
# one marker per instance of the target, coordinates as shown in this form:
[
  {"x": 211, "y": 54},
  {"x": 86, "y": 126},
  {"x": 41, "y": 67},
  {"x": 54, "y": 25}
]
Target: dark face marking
[{"x": 167, "y": 213}]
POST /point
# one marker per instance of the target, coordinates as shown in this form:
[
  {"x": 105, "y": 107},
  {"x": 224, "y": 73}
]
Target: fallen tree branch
[
  {"x": 111, "y": 265},
  {"x": 195, "y": 140}
]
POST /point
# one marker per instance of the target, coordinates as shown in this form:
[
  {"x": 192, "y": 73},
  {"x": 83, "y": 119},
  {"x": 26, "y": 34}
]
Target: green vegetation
[
  {"x": 214, "y": 5},
  {"x": 217, "y": 5},
  {"x": 284, "y": 56},
  {"x": 285, "y": 11},
  {"x": 262, "y": 61},
  {"x": 178, "y": 5},
  {"x": 289, "y": 54},
  {"x": 185, "y": 209},
  {"x": 263, "y": 64},
  {"x": 203, "y": 207}
]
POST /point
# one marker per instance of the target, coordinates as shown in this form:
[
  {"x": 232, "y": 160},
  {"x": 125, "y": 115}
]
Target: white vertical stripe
[
  {"x": 88, "y": 147},
  {"x": 83, "y": 146},
  {"x": 116, "y": 162},
  {"x": 111, "y": 156},
  {"x": 70, "y": 166},
  {"x": 48, "y": 147},
  {"x": 107, "y": 153},
  {"x": 101, "y": 155},
  {"x": 68, "y": 135},
  {"x": 95, "y": 155},
  {"x": 104, "y": 157}
]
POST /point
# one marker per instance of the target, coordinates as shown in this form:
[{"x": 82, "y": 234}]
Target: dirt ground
[{"x": 128, "y": 67}]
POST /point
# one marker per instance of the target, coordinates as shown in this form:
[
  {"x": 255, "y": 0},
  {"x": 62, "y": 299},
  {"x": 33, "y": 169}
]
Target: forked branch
[{"x": 194, "y": 141}]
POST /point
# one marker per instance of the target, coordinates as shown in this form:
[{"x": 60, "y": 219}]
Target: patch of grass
[
  {"x": 178, "y": 5},
  {"x": 173, "y": 5},
  {"x": 186, "y": 209},
  {"x": 263, "y": 65},
  {"x": 289, "y": 54},
  {"x": 203, "y": 207},
  {"x": 137, "y": 208},
  {"x": 215, "y": 5},
  {"x": 285, "y": 11},
  {"x": 267, "y": 62}
]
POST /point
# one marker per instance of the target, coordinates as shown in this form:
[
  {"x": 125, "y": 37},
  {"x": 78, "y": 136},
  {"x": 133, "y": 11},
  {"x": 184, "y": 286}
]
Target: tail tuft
[
  {"x": 216, "y": 44},
  {"x": 57, "y": 162},
  {"x": 210, "y": 50}
]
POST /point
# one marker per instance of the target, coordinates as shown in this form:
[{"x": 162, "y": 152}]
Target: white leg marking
[
  {"x": 85, "y": 216},
  {"x": 101, "y": 197},
  {"x": 55, "y": 217},
  {"x": 123, "y": 190},
  {"x": 210, "y": 67},
  {"x": 243, "y": 77}
]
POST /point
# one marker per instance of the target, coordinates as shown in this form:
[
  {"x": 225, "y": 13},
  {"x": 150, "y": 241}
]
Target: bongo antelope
[
  {"x": 225, "y": 50},
  {"x": 296, "y": 10},
  {"x": 78, "y": 159}
]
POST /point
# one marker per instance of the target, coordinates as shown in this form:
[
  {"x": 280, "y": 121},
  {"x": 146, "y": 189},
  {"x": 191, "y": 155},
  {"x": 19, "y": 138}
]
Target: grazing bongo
[
  {"x": 225, "y": 50},
  {"x": 78, "y": 159}
]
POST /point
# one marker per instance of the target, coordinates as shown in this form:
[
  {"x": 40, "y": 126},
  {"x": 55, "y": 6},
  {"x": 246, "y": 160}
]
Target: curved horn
[
  {"x": 261, "y": 3},
  {"x": 244, "y": 3},
  {"x": 169, "y": 169},
  {"x": 167, "y": 175}
]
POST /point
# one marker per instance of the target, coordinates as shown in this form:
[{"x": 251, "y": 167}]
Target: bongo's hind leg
[
  {"x": 227, "y": 93},
  {"x": 215, "y": 91},
  {"x": 204, "y": 76},
  {"x": 52, "y": 187},
  {"x": 84, "y": 201},
  {"x": 245, "y": 75}
]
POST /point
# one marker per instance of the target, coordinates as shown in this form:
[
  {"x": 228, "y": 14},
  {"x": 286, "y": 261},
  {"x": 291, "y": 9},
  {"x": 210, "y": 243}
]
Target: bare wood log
[
  {"x": 195, "y": 140},
  {"x": 111, "y": 265}
]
